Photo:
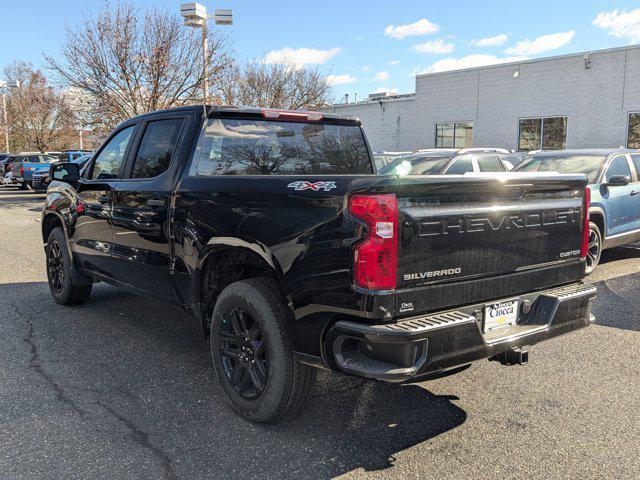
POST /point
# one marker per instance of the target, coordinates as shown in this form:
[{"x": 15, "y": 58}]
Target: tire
[
  {"x": 63, "y": 289},
  {"x": 257, "y": 308},
  {"x": 594, "y": 248}
]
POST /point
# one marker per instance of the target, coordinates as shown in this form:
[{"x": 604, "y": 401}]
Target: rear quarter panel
[{"x": 304, "y": 235}]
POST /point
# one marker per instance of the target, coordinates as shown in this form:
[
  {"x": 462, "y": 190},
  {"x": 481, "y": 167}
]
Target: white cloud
[
  {"x": 395, "y": 62},
  {"x": 390, "y": 91},
  {"x": 541, "y": 44},
  {"x": 301, "y": 56},
  {"x": 476, "y": 60},
  {"x": 620, "y": 23},
  {"x": 434, "y": 47},
  {"x": 491, "y": 41},
  {"x": 334, "y": 80},
  {"x": 421, "y": 27},
  {"x": 382, "y": 76}
]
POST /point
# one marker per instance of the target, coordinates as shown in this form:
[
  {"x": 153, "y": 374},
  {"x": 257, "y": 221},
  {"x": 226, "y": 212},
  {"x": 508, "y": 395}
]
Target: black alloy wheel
[
  {"x": 244, "y": 353},
  {"x": 55, "y": 267},
  {"x": 594, "y": 248}
]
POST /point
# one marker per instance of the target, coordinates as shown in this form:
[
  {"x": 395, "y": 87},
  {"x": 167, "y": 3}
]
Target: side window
[
  {"x": 33, "y": 159},
  {"x": 157, "y": 148},
  {"x": 488, "y": 163},
  {"x": 108, "y": 163},
  {"x": 636, "y": 163},
  {"x": 619, "y": 166},
  {"x": 460, "y": 166}
]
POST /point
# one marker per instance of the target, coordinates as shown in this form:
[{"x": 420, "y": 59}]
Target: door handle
[
  {"x": 104, "y": 199},
  {"x": 155, "y": 202}
]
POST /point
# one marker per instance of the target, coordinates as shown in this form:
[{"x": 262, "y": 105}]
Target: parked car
[
  {"x": 444, "y": 162},
  {"x": 512, "y": 159},
  {"x": 270, "y": 227},
  {"x": 614, "y": 182},
  {"x": 40, "y": 179},
  {"x": 384, "y": 158},
  {"x": 25, "y": 164},
  {"x": 5, "y": 162}
]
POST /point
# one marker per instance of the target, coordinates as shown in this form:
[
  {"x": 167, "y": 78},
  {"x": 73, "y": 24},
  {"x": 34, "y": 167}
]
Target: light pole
[
  {"x": 195, "y": 15},
  {"x": 3, "y": 86}
]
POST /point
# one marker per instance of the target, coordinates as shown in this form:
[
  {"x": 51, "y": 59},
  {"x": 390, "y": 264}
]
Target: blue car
[
  {"x": 614, "y": 181},
  {"x": 41, "y": 178},
  {"x": 25, "y": 164},
  {"x": 71, "y": 155}
]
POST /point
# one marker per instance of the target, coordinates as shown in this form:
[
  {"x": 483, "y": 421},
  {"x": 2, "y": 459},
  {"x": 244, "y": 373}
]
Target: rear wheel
[
  {"x": 252, "y": 352},
  {"x": 594, "y": 248},
  {"x": 63, "y": 289}
]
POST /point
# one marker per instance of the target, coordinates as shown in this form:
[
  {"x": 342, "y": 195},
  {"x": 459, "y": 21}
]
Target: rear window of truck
[{"x": 263, "y": 147}]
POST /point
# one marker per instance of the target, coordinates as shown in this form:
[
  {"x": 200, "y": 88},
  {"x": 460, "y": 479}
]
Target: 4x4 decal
[{"x": 306, "y": 185}]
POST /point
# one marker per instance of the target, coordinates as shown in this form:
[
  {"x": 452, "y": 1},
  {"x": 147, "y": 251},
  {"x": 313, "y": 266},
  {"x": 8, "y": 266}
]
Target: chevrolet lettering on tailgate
[{"x": 461, "y": 225}]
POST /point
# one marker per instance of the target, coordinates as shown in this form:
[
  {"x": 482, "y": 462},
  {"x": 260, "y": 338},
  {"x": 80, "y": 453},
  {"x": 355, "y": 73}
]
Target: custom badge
[{"x": 301, "y": 185}]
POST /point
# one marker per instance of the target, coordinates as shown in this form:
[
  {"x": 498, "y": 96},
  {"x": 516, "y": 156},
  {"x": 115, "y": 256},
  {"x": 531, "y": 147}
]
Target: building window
[
  {"x": 454, "y": 135},
  {"x": 548, "y": 133},
  {"x": 633, "y": 132}
]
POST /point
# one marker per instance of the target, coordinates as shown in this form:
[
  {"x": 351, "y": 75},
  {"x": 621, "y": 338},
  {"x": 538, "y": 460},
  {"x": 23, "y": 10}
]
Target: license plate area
[{"x": 500, "y": 315}]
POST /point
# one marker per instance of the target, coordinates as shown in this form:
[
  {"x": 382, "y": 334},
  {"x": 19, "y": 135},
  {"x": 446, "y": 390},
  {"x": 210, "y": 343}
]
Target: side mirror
[
  {"x": 618, "y": 181},
  {"x": 64, "y": 172}
]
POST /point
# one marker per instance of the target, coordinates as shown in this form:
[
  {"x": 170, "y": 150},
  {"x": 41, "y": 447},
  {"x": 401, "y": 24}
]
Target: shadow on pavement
[
  {"x": 143, "y": 371},
  {"x": 618, "y": 303},
  {"x": 12, "y": 198},
  {"x": 620, "y": 253}
]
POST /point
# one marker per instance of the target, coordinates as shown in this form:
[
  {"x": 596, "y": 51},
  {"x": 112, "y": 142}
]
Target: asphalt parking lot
[{"x": 123, "y": 388}]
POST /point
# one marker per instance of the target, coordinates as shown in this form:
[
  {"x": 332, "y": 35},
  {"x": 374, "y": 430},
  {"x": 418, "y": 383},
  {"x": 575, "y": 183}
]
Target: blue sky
[{"x": 365, "y": 46}]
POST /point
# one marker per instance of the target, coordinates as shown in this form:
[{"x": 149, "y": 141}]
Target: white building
[{"x": 570, "y": 101}]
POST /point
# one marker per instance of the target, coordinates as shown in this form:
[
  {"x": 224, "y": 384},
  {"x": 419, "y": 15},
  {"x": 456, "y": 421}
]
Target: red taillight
[
  {"x": 80, "y": 207},
  {"x": 21, "y": 169},
  {"x": 585, "y": 226},
  {"x": 296, "y": 116},
  {"x": 375, "y": 258}
]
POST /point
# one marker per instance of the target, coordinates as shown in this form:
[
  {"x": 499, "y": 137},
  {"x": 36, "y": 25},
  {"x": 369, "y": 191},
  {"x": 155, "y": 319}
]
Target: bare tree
[
  {"x": 274, "y": 86},
  {"x": 40, "y": 117},
  {"x": 127, "y": 63}
]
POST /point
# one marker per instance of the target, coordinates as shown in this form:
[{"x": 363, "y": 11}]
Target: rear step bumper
[{"x": 430, "y": 343}]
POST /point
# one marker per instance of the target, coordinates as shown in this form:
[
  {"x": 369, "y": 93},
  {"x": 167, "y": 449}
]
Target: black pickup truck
[{"x": 273, "y": 230}]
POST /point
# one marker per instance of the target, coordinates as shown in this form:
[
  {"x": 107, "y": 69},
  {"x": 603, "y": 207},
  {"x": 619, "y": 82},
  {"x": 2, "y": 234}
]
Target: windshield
[
  {"x": 263, "y": 147},
  {"x": 415, "y": 165},
  {"x": 587, "y": 164}
]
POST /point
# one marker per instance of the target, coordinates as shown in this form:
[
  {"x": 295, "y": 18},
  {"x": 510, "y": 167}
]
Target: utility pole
[
  {"x": 205, "y": 63},
  {"x": 195, "y": 15},
  {"x": 5, "y": 122}
]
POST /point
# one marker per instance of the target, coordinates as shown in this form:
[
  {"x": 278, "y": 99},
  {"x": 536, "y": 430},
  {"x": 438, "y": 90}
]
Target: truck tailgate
[{"x": 470, "y": 227}]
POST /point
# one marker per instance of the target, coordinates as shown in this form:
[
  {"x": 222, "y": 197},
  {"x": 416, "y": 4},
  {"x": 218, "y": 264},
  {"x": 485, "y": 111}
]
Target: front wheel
[
  {"x": 594, "y": 248},
  {"x": 251, "y": 348},
  {"x": 63, "y": 289}
]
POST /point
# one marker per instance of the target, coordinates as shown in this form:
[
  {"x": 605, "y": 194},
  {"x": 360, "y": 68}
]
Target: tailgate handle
[
  {"x": 104, "y": 199},
  {"x": 155, "y": 202}
]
